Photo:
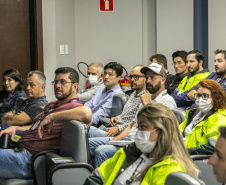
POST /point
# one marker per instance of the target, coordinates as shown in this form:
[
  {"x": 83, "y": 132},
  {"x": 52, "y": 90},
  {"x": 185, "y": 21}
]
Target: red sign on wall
[{"x": 106, "y": 5}]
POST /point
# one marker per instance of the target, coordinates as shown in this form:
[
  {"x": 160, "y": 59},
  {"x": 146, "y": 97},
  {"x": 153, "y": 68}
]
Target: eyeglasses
[
  {"x": 55, "y": 82},
  {"x": 136, "y": 77},
  {"x": 204, "y": 96}
]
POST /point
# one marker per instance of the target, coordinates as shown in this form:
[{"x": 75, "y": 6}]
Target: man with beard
[
  {"x": 195, "y": 62},
  {"x": 119, "y": 123},
  {"x": 219, "y": 75},
  {"x": 218, "y": 159},
  {"x": 17, "y": 163},
  {"x": 156, "y": 77}
]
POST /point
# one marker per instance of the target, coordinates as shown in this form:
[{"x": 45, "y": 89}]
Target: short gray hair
[
  {"x": 41, "y": 76},
  {"x": 99, "y": 67}
]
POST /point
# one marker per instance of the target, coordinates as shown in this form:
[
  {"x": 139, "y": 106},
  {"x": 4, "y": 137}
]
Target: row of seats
[{"x": 74, "y": 144}]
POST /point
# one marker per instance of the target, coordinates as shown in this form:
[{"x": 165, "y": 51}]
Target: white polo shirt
[{"x": 163, "y": 98}]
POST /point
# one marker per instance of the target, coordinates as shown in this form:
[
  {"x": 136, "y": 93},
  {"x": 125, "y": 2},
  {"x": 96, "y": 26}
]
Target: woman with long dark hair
[{"x": 12, "y": 90}]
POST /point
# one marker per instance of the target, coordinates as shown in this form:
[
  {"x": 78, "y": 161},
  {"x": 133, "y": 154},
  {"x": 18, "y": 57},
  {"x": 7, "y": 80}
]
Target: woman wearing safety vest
[
  {"x": 158, "y": 151},
  {"x": 200, "y": 128}
]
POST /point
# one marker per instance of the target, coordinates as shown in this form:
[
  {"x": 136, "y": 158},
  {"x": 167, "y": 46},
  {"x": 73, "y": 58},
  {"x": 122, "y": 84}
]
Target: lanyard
[
  {"x": 50, "y": 109},
  {"x": 133, "y": 175}
]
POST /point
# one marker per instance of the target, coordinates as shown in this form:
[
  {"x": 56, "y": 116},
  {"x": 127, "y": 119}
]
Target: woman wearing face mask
[
  {"x": 158, "y": 151},
  {"x": 200, "y": 128},
  {"x": 12, "y": 90}
]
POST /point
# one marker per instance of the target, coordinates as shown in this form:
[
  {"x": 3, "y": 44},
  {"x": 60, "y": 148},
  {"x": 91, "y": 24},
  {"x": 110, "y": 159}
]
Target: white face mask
[
  {"x": 142, "y": 141},
  {"x": 93, "y": 80},
  {"x": 204, "y": 105}
]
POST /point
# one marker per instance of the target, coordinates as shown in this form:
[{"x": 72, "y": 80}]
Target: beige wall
[
  {"x": 49, "y": 44},
  {"x": 217, "y": 28},
  {"x": 174, "y": 27},
  {"x": 108, "y": 36}
]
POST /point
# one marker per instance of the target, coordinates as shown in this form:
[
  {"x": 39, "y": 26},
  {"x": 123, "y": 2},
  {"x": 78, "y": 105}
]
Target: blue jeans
[
  {"x": 98, "y": 149},
  {"x": 15, "y": 164},
  {"x": 96, "y": 132}
]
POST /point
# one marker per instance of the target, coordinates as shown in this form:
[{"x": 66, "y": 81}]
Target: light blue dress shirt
[{"x": 101, "y": 103}]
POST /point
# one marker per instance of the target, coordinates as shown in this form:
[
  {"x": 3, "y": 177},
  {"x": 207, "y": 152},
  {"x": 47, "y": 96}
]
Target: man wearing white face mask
[
  {"x": 200, "y": 128},
  {"x": 95, "y": 80}
]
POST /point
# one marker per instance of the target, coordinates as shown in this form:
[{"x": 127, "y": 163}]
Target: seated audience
[
  {"x": 157, "y": 152},
  {"x": 155, "y": 85},
  {"x": 181, "y": 69},
  {"x": 218, "y": 159},
  {"x": 138, "y": 84},
  {"x": 195, "y": 62},
  {"x": 201, "y": 124},
  {"x": 30, "y": 107},
  {"x": 45, "y": 132},
  {"x": 219, "y": 75},
  {"x": 161, "y": 60},
  {"x": 101, "y": 102},
  {"x": 12, "y": 90},
  {"x": 95, "y": 80}
]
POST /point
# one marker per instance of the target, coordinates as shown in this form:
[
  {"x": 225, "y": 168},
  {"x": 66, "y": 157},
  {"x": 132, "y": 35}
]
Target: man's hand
[
  {"x": 145, "y": 98},
  {"x": 191, "y": 95},
  {"x": 45, "y": 123},
  {"x": 10, "y": 130},
  {"x": 112, "y": 131},
  {"x": 113, "y": 120}
]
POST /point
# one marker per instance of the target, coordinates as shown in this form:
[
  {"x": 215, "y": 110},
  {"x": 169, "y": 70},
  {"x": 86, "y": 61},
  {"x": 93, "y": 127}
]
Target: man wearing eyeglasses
[
  {"x": 155, "y": 80},
  {"x": 45, "y": 132},
  {"x": 119, "y": 123},
  {"x": 181, "y": 69},
  {"x": 30, "y": 107}
]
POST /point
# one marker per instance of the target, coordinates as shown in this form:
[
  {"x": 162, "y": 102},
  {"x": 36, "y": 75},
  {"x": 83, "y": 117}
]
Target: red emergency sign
[{"x": 106, "y": 5}]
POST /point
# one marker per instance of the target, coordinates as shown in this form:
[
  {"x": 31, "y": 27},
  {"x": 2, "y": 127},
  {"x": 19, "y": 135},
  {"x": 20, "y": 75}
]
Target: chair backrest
[
  {"x": 74, "y": 141},
  {"x": 207, "y": 172},
  {"x": 180, "y": 114},
  {"x": 118, "y": 102},
  {"x": 181, "y": 178}
]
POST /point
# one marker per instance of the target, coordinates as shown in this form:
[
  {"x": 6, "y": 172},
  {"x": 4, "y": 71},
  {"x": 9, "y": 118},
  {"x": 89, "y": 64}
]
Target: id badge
[{"x": 35, "y": 125}]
